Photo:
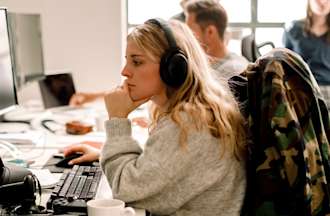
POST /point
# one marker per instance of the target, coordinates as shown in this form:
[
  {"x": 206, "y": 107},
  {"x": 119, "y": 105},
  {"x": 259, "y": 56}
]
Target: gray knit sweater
[{"x": 167, "y": 179}]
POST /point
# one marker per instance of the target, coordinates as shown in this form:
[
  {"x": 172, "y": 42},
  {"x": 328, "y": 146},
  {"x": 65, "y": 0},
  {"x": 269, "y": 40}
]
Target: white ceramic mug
[{"x": 113, "y": 207}]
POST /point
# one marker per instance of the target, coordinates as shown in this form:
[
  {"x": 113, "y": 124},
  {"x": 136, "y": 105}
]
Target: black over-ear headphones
[{"x": 173, "y": 63}]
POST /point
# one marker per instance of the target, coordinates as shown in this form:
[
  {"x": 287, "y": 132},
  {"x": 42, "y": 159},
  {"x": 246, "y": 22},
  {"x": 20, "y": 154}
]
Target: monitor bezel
[
  {"x": 11, "y": 107},
  {"x": 24, "y": 77}
]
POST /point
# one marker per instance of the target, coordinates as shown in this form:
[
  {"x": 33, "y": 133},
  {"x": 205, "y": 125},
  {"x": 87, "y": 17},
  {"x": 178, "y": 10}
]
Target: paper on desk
[
  {"x": 45, "y": 177},
  {"x": 26, "y": 137}
]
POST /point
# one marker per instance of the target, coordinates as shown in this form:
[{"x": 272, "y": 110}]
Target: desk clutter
[
  {"x": 78, "y": 128},
  {"x": 28, "y": 137},
  {"x": 51, "y": 122},
  {"x": 72, "y": 127},
  {"x": 19, "y": 186},
  {"x": 67, "y": 194}
]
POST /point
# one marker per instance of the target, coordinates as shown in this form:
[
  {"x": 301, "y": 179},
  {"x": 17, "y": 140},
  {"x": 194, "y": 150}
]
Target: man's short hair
[{"x": 208, "y": 12}]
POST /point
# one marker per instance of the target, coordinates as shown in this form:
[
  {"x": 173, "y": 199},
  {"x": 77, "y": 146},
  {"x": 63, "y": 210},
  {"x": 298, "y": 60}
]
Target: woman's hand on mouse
[{"x": 90, "y": 153}]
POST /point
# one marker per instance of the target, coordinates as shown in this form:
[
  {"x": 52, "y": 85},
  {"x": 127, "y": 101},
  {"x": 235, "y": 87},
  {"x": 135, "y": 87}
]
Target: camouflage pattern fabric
[{"x": 288, "y": 169}]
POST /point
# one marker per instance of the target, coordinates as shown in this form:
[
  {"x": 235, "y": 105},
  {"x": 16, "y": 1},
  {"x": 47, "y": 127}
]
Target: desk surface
[{"x": 51, "y": 143}]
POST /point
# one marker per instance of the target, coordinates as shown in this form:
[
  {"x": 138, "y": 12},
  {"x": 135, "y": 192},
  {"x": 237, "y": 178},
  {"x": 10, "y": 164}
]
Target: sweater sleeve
[{"x": 166, "y": 174}]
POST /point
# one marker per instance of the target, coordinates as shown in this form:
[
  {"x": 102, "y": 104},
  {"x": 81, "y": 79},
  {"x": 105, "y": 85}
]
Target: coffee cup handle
[{"x": 128, "y": 211}]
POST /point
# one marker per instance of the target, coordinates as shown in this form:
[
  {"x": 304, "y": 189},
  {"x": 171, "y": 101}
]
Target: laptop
[{"x": 56, "y": 90}]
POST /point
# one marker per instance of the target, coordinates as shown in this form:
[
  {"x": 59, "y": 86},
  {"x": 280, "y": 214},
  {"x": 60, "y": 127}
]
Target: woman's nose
[{"x": 125, "y": 72}]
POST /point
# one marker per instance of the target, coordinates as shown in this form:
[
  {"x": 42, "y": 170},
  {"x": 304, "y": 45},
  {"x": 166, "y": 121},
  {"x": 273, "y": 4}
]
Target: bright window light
[
  {"x": 281, "y": 10},
  {"x": 237, "y": 10},
  {"x": 270, "y": 34},
  {"x": 271, "y": 15},
  {"x": 142, "y": 10}
]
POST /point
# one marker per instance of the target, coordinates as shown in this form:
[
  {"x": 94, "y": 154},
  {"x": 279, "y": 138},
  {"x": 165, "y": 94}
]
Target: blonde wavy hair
[{"x": 209, "y": 104}]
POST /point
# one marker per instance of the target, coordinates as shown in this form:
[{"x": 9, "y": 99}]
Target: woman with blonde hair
[{"x": 193, "y": 161}]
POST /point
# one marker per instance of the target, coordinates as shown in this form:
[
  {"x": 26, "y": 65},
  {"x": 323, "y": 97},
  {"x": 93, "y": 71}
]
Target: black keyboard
[{"x": 74, "y": 189}]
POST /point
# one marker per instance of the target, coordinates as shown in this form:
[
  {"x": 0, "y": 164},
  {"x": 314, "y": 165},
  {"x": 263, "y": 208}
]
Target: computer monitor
[
  {"x": 57, "y": 89},
  {"x": 8, "y": 98},
  {"x": 12, "y": 177},
  {"x": 28, "y": 62}
]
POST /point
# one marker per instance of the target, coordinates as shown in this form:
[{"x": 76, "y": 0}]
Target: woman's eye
[{"x": 136, "y": 62}]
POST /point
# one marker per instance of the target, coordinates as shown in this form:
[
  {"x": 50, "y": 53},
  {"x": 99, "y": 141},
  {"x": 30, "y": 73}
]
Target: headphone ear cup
[
  {"x": 173, "y": 68},
  {"x": 29, "y": 187}
]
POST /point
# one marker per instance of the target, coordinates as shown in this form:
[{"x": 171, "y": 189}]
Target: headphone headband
[
  {"x": 173, "y": 63},
  {"x": 162, "y": 24}
]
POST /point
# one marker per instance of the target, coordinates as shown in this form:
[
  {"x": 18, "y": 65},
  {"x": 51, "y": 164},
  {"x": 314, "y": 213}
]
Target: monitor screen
[
  {"x": 8, "y": 98},
  {"x": 27, "y": 46},
  {"x": 57, "y": 89}
]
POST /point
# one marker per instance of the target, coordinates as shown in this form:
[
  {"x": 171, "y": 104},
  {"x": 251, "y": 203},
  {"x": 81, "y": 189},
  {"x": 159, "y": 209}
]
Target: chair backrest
[
  {"x": 288, "y": 165},
  {"x": 250, "y": 49}
]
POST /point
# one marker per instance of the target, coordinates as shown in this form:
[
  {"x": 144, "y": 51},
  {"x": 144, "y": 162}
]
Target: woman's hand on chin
[{"x": 119, "y": 103}]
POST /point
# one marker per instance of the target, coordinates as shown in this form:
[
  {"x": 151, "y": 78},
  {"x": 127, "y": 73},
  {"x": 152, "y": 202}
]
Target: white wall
[{"x": 87, "y": 37}]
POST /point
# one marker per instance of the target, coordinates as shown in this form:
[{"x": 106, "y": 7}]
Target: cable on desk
[
  {"x": 43, "y": 148},
  {"x": 17, "y": 121},
  {"x": 10, "y": 148},
  {"x": 45, "y": 122}
]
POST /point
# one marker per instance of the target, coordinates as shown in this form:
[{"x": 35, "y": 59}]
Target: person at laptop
[
  {"x": 208, "y": 20},
  {"x": 193, "y": 161},
  {"x": 80, "y": 98}
]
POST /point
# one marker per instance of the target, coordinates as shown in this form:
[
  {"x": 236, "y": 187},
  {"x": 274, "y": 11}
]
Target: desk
[{"x": 51, "y": 143}]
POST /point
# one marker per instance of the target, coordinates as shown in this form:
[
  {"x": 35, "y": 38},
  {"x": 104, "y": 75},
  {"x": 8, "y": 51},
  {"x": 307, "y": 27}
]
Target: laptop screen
[{"x": 56, "y": 89}]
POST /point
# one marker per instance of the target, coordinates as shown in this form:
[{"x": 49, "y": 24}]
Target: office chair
[{"x": 250, "y": 49}]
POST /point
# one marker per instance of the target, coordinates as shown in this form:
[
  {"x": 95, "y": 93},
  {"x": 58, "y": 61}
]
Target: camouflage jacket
[{"x": 289, "y": 170}]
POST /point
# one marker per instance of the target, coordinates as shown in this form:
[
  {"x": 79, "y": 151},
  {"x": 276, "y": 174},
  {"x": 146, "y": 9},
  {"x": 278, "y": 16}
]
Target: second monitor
[
  {"x": 25, "y": 30},
  {"x": 8, "y": 99},
  {"x": 57, "y": 89}
]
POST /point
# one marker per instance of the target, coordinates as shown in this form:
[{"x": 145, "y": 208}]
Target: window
[
  {"x": 142, "y": 10},
  {"x": 265, "y": 18},
  {"x": 234, "y": 13},
  {"x": 275, "y": 11}
]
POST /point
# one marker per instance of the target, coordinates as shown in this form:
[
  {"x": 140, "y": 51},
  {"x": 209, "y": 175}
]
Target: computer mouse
[{"x": 64, "y": 163}]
